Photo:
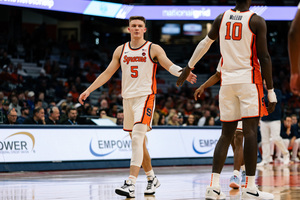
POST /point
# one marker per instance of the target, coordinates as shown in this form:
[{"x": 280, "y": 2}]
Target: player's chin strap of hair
[
  {"x": 272, "y": 96},
  {"x": 175, "y": 70},
  {"x": 200, "y": 50}
]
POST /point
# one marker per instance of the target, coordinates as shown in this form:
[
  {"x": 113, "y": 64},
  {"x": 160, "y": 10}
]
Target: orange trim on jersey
[
  {"x": 127, "y": 130},
  {"x": 137, "y": 48},
  {"x": 154, "y": 84},
  {"x": 256, "y": 74},
  {"x": 147, "y": 111},
  {"x": 221, "y": 70},
  {"x": 262, "y": 106}
]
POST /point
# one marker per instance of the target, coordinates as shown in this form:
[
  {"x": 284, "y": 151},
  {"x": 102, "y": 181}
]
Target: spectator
[
  {"x": 202, "y": 120},
  {"x": 4, "y": 109},
  {"x": 190, "y": 121},
  {"x": 72, "y": 116},
  {"x": 30, "y": 100},
  {"x": 11, "y": 117},
  {"x": 68, "y": 101},
  {"x": 294, "y": 119},
  {"x": 24, "y": 115},
  {"x": 289, "y": 134},
  {"x": 41, "y": 97},
  {"x": 15, "y": 104},
  {"x": 53, "y": 116},
  {"x": 120, "y": 117},
  {"x": 162, "y": 120},
  {"x": 173, "y": 119},
  {"x": 38, "y": 117},
  {"x": 209, "y": 121},
  {"x": 102, "y": 113}
]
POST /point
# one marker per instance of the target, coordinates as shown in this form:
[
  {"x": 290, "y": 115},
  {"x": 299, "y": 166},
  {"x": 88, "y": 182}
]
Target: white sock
[
  {"x": 243, "y": 167},
  {"x": 236, "y": 173},
  {"x": 215, "y": 180},
  {"x": 150, "y": 174},
  {"x": 250, "y": 182},
  {"x": 132, "y": 179}
]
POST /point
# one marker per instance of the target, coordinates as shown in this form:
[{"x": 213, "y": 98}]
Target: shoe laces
[
  {"x": 125, "y": 185},
  {"x": 149, "y": 186}
]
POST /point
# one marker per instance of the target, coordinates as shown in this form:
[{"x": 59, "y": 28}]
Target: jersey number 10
[{"x": 235, "y": 29}]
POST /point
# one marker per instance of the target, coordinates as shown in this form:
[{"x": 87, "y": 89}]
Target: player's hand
[
  {"x": 198, "y": 92},
  {"x": 295, "y": 84},
  {"x": 271, "y": 107},
  {"x": 83, "y": 97},
  {"x": 183, "y": 76},
  {"x": 192, "y": 78}
]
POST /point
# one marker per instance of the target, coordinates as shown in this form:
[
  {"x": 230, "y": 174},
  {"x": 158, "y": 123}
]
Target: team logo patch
[{"x": 143, "y": 54}]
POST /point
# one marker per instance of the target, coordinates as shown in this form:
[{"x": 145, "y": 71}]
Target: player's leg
[
  {"x": 265, "y": 142},
  {"x": 251, "y": 105},
  {"x": 275, "y": 127},
  {"x": 230, "y": 114},
  {"x": 152, "y": 180}
]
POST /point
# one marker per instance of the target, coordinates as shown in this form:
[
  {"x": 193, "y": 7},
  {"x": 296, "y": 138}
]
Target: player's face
[{"x": 137, "y": 28}]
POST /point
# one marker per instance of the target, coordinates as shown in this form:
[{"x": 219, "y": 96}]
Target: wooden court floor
[{"x": 182, "y": 183}]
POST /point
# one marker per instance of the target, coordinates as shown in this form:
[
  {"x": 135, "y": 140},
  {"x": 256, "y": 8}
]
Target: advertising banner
[{"x": 56, "y": 145}]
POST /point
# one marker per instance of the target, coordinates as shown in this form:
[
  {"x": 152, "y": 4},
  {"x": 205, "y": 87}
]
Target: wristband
[
  {"x": 272, "y": 96},
  {"x": 174, "y": 70}
]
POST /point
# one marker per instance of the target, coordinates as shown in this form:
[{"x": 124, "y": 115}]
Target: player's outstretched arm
[
  {"x": 104, "y": 76},
  {"x": 211, "y": 81},
  {"x": 160, "y": 55},
  {"x": 201, "y": 50},
  {"x": 294, "y": 54}
]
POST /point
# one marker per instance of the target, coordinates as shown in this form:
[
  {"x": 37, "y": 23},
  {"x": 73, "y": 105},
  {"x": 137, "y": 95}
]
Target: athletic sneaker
[
  {"x": 243, "y": 181},
  {"x": 296, "y": 159},
  {"x": 126, "y": 190},
  {"x": 286, "y": 159},
  {"x": 262, "y": 163},
  {"x": 234, "y": 182},
  {"x": 214, "y": 193},
  {"x": 254, "y": 193},
  {"x": 153, "y": 183}
]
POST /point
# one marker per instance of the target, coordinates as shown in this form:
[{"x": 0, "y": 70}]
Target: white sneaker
[
  {"x": 152, "y": 185},
  {"x": 296, "y": 159},
  {"x": 127, "y": 189},
  {"x": 286, "y": 159},
  {"x": 243, "y": 181},
  {"x": 234, "y": 182},
  {"x": 254, "y": 193},
  {"x": 262, "y": 163},
  {"x": 214, "y": 193}
]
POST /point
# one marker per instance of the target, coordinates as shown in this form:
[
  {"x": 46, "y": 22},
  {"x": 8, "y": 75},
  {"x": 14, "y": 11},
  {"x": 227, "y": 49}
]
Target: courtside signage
[
  {"x": 122, "y": 11},
  {"x": 56, "y": 145}
]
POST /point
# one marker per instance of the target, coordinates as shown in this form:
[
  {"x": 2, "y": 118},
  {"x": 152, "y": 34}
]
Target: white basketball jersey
[
  {"x": 238, "y": 48},
  {"x": 138, "y": 71}
]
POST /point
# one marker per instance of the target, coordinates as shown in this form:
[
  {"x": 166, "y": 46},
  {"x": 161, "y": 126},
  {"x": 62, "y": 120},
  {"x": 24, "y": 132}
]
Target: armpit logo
[
  {"x": 17, "y": 143},
  {"x": 204, "y": 146},
  {"x": 101, "y": 148}
]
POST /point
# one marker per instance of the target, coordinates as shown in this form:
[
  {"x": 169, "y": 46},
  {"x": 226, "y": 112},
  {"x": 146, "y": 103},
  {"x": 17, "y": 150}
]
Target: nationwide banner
[
  {"x": 56, "y": 145},
  {"x": 122, "y": 11}
]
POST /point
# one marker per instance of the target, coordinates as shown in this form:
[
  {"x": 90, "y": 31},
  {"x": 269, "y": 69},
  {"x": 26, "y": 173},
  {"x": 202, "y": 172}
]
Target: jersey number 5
[
  {"x": 134, "y": 72},
  {"x": 236, "y": 31}
]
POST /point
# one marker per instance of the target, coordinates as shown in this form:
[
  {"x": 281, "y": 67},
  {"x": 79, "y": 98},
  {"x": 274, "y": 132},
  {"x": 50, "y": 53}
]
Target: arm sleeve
[{"x": 200, "y": 50}]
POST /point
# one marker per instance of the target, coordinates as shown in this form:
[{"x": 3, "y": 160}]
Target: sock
[
  {"x": 236, "y": 173},
  {"x": 250, "y": 181},
  {"x": 215, "y": 180},
  {"x": 243, "y": 167},
  {"x": 150, "y": 174},
  {"x": 132, "y": 179}
]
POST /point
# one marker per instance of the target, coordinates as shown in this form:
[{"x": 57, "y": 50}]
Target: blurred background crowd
[{"x": 48, "y": 58}]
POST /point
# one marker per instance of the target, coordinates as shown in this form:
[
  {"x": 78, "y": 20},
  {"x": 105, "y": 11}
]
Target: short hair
[
  {"x": 69, "y": 110},
  {"x": 37, "y": 110},
  {"x": 241, "y": 1},
  {"x": 137, "y": 18}
]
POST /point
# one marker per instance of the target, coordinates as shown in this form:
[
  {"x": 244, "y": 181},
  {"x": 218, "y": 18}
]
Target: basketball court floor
[{"x": 182, "y": 183}]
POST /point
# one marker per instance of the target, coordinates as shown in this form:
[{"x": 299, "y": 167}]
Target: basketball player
[
  {"x": 237, "y": 141},
  {"x": 243, "y": 45},
  {"x": 294, "y": 53},
  {"x": 138, "y": 60}
]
